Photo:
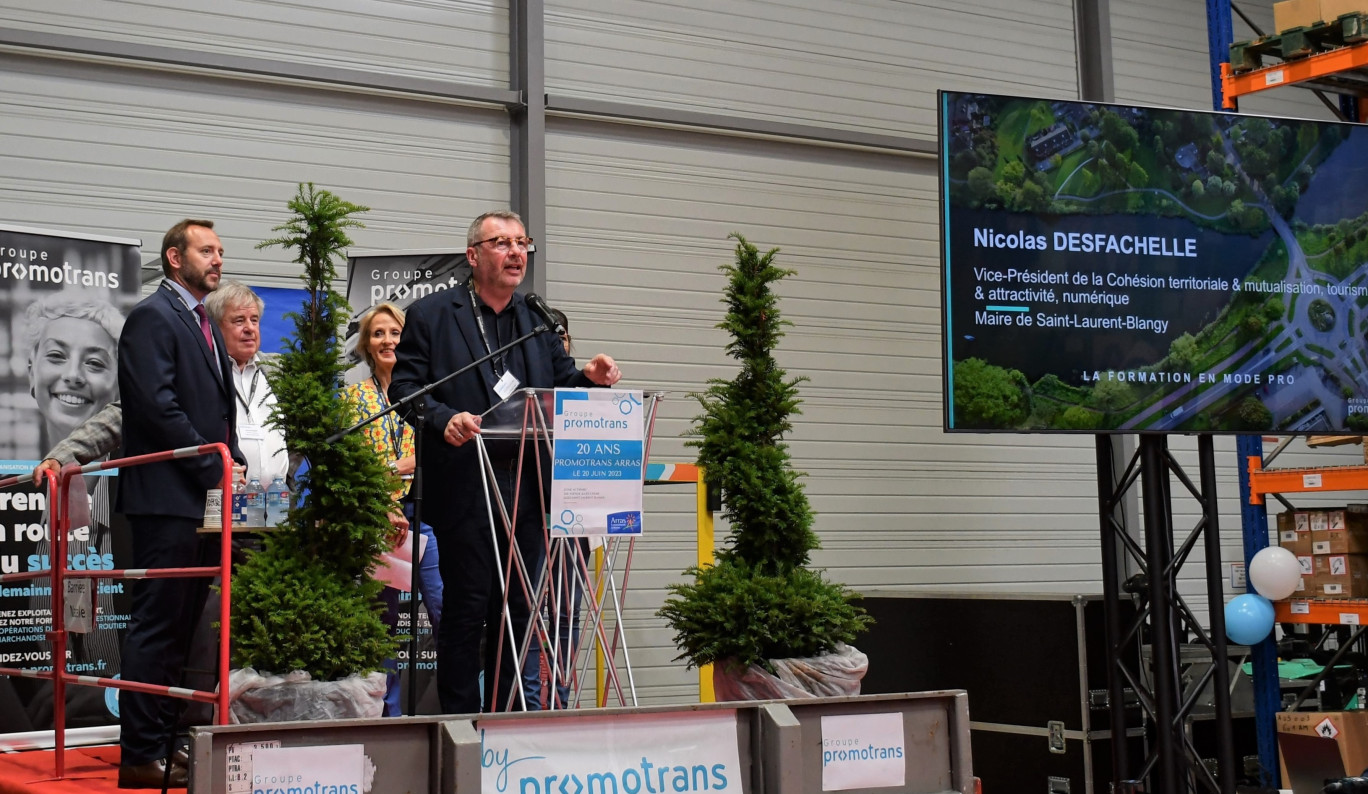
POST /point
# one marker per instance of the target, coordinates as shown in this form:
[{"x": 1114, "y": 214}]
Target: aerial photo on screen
[{"x": 1131, "y": 269}]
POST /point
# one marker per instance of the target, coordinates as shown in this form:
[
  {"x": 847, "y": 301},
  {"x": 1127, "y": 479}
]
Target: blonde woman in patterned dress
[{"x": 393, "y": 440}]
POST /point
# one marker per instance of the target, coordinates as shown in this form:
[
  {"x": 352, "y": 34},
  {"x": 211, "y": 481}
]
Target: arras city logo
[{"x": 628, "y": 523}]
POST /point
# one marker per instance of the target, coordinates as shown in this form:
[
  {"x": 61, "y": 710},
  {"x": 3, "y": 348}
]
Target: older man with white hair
[{"x": 236, "y": 309}]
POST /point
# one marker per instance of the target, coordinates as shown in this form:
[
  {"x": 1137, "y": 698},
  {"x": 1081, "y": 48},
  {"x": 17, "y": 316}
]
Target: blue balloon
[{"x": 1248, "y": 618}]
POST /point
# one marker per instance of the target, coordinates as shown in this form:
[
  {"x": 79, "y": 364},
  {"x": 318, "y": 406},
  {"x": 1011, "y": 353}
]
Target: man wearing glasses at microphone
[{"x": 445, "y": 331}]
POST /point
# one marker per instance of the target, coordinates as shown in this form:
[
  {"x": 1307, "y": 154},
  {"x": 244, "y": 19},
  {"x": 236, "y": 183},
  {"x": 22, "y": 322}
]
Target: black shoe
[
  {"x": 151, "y": 775},
  {"x": 181, "y": 757}
]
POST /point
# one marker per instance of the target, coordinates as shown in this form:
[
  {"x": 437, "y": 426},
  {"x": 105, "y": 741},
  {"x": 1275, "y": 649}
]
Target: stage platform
[
  {"x": 89, "y": 770},
  {"x": 914, "y": 743}
]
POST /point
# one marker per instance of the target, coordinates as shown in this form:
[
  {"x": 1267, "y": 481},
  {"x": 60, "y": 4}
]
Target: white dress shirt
[{"x": 262, "y": 445}]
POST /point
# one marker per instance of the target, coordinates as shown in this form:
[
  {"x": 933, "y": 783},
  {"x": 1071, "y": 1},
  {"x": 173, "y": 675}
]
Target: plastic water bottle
[
  {"x": 277, "y": 502},
  {"x": 256, "y": 504},
  {"x": 239, "y": 503}
]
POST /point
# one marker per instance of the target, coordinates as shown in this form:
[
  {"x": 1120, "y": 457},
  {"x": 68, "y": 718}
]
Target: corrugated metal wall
[
  {"x": 102, "y": 150},
  {"x": 454, "y": 39},
  {"x": 640, "y": 219},
  {"x": 637, "y": 220},
  {"x": 871, "y": 66}
]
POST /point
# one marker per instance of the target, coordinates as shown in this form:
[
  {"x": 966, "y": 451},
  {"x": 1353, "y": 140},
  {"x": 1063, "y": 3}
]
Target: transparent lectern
[{"x": 577, "y": 586}]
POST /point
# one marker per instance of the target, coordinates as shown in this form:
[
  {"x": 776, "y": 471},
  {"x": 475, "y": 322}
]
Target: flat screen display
[{"x": 1117, "y": 269}]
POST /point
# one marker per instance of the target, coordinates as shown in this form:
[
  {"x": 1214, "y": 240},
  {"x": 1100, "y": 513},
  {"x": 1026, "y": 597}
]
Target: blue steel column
[
  {"x": 1219, "y": 38},
  {"x": 1267, "y": 695},
  {"x": 1254, "y": 518}
]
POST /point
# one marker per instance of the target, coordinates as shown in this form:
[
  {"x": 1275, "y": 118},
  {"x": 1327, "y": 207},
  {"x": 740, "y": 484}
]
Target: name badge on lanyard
[
  {"x": 506, "y": 386},
  {"x": 251, "y": 432}
]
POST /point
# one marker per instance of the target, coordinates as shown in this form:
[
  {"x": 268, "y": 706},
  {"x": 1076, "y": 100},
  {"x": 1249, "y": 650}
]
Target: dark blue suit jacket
[
  {"x": 440, "y": 336},
  {"x": 174, "y": 396}
]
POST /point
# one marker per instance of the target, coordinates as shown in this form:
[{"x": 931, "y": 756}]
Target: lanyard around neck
[
  {"x": 497, "y": 362},
  {"x": 251, "y": 393},
  {"x": 394, "y": 429}
]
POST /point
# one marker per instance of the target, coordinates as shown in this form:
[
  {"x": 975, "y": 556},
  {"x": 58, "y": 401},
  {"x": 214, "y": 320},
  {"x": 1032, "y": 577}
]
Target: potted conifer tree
[
  {"x": 306, "y": 602},
  {"x": 772, "y": 626}
]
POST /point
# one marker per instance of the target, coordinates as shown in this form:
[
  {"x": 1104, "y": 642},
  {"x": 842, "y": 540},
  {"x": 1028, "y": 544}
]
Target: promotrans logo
[
  {"x": 862, "y": 751},
  {"x": 329, "y": 769},
  {"x": 629, "y": 754},
  {"x": 838, "y": 750}
]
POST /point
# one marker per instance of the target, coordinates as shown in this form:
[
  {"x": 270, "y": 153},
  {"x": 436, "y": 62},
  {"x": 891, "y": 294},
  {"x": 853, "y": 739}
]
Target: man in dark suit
[
  {"x": 177, "y": 389},
  {"x": 444, "y": 332}
]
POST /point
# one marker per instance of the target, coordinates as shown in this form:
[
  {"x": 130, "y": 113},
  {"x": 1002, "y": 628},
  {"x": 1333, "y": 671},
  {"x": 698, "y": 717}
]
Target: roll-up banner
[
  {"x": 400, "y": 278},
  {"x": 397, "y": 277},
  {"x": 63, "y": 298}
]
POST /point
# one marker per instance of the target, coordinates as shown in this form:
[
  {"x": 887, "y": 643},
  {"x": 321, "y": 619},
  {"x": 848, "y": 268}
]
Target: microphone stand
[{"x": 416, "y": 489}]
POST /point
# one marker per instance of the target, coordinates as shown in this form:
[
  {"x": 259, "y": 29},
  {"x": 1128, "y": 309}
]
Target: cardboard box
[
  {"x": 1299, "y": 543},
  {"x": 1344, "y": 533},
  {"x": 1303, "y": 588},
  {"x": 1347, "y": 729},
  {"x": 1296, "y": 14},
  {"x": 1330, "y": 11},
  {"x": 1340, "y": 575}
]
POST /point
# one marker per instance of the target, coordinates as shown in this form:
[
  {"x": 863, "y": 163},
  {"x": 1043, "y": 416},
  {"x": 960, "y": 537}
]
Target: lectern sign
[{"x": 597, "y": 472}]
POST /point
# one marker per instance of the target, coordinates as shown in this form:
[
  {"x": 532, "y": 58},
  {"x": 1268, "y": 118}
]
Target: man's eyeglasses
[{"x": 507, "y": 243}]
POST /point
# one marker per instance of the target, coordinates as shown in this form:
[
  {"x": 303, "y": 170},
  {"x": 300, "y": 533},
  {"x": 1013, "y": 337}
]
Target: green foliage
[
  {"x": 1076, "y": 417},
  {"x": 1183, "y": 354},
  {"x": 758, "y": 602},
  {"x": 740, "y": 615},
  {"x": 1251, "y": 414},
  {"x": 294, "y": 613},
  {"x": 1113, "y": 395},
  {"x": 987, "y": 395},
  {"x": 981, "y": 185},
  {"x": 744, "y": 421},
  {"x": 1118, "y": 132},
  {"x": 1321, "y": 314},
  {"x": 306, "y": 600}
]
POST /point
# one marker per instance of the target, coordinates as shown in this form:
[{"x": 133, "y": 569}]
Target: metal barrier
[{"x": 59, "y": 527}]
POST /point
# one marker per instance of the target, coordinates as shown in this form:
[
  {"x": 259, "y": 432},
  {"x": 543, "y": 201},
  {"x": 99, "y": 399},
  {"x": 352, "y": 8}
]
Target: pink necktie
[{"x": 204, "y": 326}]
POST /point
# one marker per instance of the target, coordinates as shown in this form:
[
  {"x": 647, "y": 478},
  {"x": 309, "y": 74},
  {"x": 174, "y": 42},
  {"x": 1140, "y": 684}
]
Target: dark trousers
[
  {"x": 160, "y": 627},
  {"x": 472, "y": 594}
]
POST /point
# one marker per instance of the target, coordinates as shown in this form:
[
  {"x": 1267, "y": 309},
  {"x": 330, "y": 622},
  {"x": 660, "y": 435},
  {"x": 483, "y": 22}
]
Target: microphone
[{"x": 543, "y": 312}]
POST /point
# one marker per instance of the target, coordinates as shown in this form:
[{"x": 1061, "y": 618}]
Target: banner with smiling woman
[{"x": 63, "y": 298}]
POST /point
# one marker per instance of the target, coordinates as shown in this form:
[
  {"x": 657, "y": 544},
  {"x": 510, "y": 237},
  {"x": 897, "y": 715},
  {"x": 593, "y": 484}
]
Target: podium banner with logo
[{"x": 597, "y": 472}]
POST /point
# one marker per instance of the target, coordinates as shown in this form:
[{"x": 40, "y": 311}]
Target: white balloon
[{"x": 1275, "y": 573}]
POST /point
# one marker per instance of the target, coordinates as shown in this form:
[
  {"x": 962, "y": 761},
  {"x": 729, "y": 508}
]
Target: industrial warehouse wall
[
  {"x": 641, "y": 217},
  {"x": 93, "y": 146},
  {"x": 637, "y": 220}
]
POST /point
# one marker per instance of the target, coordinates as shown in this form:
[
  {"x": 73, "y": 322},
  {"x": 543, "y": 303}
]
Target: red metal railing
[{"x": 59, "y": 525}]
